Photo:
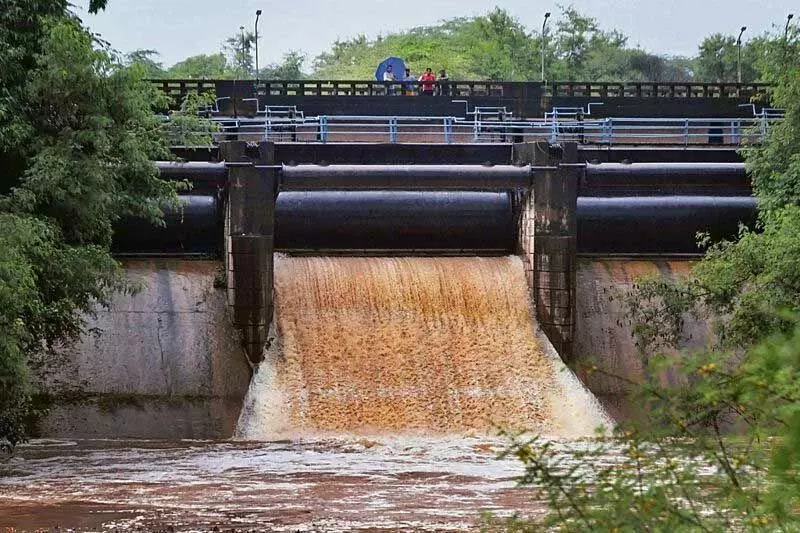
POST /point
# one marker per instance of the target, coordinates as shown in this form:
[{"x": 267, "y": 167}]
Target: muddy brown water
[
  {"x": 373, "y": 410},
  {"x": 324, "y": 484}
]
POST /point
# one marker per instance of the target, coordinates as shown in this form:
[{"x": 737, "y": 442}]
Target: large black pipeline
[
  {"x": 622, "y": 208},
  {"x": 205, "y": 177},
  {"x": 607, "y": 179},
  {"x": 195, "y": 228},
  {"x": 658, "y": 224},
  {"x": 446, "y": 222},
  {"x": 659, "y": 179},
  {"x": 404, "y": 177},
  {"x": 395, "y": 220}
]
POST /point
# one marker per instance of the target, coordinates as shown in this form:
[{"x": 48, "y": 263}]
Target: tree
[
  {"x": 145, "y": 60},
  {"x": 497, "y": 46},
  {"x": 503, "y": 49},
  {"x": 199, "y": 67},
  {"x": 77, "y": 139},
  {"x": 718, "y": 59},
  {"x": 290, "y": 69},
  {"x": 239, "y": 48}
]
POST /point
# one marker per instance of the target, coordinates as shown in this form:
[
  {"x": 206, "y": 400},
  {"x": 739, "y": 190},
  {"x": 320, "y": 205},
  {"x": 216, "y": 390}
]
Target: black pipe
[
  {"x": 192, "y": 170},
  {"x": 395, "y": 220},
  {"x": 204, "y": 177},
  {"x": 660, "y": 224},
  {"x": 659, "y": 179},
  {"x": 445, "y": 222},
  {"x": 405, "y": 177},
  {"x": 195, "y": 228}
]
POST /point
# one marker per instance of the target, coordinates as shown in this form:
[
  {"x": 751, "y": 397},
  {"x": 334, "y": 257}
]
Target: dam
[
  {"x": 582, "y": 232},
  {"x": 328, "y": 334}
]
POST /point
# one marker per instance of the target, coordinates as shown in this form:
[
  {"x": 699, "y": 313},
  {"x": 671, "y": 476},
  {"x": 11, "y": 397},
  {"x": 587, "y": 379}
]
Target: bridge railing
[
  {"x": 459, "y": 89},
  {"x": 725, "y": 131},
  {"x": 653, "y": 90}
]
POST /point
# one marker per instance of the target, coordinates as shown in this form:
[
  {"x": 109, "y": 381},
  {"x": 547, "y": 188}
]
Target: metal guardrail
[{"x": 287, "y": 125}]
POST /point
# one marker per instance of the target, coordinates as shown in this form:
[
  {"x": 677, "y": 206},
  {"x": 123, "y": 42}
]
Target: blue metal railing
[{"x": 492, "y": 125}]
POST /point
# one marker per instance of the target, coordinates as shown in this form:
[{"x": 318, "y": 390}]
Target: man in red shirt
[{"x": 428, "y": 81}]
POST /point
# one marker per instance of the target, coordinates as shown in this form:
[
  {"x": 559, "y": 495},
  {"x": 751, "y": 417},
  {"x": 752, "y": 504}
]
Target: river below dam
[
  {"x": 376, "y": 408},
  {"x": 324, "y": 484}
]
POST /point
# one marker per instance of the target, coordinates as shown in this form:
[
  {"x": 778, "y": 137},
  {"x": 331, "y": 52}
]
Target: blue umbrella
[{"x": 398, "y": 68}]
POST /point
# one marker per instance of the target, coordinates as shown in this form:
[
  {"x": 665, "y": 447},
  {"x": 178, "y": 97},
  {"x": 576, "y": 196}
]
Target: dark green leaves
[{"x": 77, "y": 139}]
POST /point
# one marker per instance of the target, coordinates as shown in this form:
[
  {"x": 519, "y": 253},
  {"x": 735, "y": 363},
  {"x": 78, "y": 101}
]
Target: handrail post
[
  {"x": 610, "y": 130},
  {"x": 393, "y": 130},
  {"x": 448, "y": 130},
  {"x": 686, "y": 132},
  {"x": 323, "y": 129}
]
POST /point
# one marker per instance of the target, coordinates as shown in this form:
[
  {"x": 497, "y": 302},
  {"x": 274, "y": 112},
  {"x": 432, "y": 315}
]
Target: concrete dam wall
[
  {"x": 604, "y": 336},
  {"x": 163, "y": 363},
  {"x": 166, "y": 363}
]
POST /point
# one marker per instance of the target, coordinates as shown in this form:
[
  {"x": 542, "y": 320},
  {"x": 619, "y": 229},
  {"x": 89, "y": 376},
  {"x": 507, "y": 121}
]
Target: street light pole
[
  {"x": 244, "y": 55},
  {"x": 544, "y": 40},
  {"x": 739, "y": 55},
  {"x": 258, "y": 14},
  {"x": 786, "y": 29}
]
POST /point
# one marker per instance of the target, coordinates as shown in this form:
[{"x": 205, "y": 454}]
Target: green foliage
[
  {"x": 684, "y": 470},
  {"x": 290, "y": 69},
  {"x": 494, "y": 46},
  {"x": 77, "y": 138},
  {"x": 210, "y": 67},
  {"x": 239, "y": 49},
  {"x": 187, "y": 126},
  {"x": 145, "y": 60},
  {"x": 721, "y": 448},
  {"x": 497, "y": 46}
]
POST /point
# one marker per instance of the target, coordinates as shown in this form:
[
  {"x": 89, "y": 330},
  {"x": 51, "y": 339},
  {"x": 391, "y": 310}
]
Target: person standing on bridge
[
  {"x": 409, "y": 83},
  {"x": 443, "y": 82},
  {"x": 388, "y": 78},
  {"x": 428, "y": 81}
]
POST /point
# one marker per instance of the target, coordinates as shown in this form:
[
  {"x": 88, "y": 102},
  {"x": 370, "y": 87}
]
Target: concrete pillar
[
  {"x": 547, "y": 236},
  {"x": 250, "y": 242},
  {"x": 522, "y": 154}
]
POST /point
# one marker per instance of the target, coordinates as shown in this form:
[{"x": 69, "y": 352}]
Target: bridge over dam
[
  {"x": 584, "y": 229},
  {"x": 243, "y": 98},
  {"x": 608, "y": 114}
]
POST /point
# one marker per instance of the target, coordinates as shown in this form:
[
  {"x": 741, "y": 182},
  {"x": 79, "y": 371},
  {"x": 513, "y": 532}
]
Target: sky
[{"x": 181, "y": 28}]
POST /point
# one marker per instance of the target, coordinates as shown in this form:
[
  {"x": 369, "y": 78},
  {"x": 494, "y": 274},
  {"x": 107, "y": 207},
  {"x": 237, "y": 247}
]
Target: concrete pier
[
  {"x": 250, "y": 242},
  {"x": 547, "y": 230}
]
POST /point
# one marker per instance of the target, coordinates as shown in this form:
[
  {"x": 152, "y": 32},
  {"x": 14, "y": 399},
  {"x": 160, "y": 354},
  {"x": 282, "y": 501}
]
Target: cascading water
[
  {"x": 377, "y": 400},
  {"x": 388, "y": 345}
]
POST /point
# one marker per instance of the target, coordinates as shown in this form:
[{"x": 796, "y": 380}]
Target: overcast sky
[{"x": 181, "y": 28}]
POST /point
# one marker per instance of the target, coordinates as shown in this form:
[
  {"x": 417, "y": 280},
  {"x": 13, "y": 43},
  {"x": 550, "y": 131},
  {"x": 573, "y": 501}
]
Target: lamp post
[
  {"x": 544, "y": 40},
  {"x": 739, "y": 55},
  {"x": 786, "y": 29},
  {"x": 258, "y": 14},
  {"x": 244, "y": 55}
]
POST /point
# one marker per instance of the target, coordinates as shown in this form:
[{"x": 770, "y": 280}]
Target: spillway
[{"x": 380, "y": 344}]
